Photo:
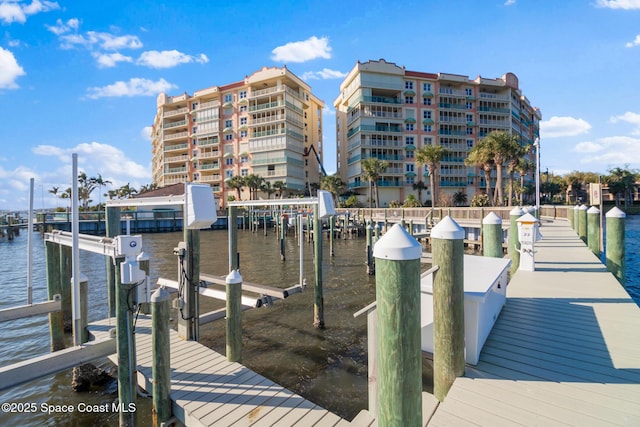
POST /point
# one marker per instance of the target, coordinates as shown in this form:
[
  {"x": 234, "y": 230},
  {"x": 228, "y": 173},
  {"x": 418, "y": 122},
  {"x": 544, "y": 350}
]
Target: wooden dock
[
  {"x": 207, "y": 390},
  {"x": 564, "y": 351}
]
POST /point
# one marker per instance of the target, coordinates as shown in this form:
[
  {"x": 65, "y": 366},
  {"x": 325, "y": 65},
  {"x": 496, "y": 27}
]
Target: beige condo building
[
  {"x": 387, "y": 112},
  {"x": 268, "y": 124}
]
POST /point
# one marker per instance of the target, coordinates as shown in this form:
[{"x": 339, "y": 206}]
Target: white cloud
[
  {"x": 629, "y": 117},
  {"x": 326, "y": 110},
  {"x": 145, "y": 133},
  {"x": 168, "y": 58},
  {"x": 106, "y": 41},
  {"x": 509, "y": 2},
  {"x": 134, "y": 87},
  {"x": 635, "y": 42},
  {"x": 61, "y": 27},
  {"x": 108, "y": 60},
  {"x": 323, "y": 74},
  {"x": 10, "y": 70},
  {"x": 563, "y": 126},
  {"x": 619, "y": 4},
  {"x": 611, "y": 151},
  {"x": 302, "y": 51},
  {"x": 11, "y": 11}
]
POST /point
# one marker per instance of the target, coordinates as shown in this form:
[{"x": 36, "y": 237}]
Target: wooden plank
[
  {"x": 277, "y": 413},
  {"x": 229, "y": 401},
  {"x": 295, "y": 414},
  {"x": 31, "y": 310},
  {"x": 328, "y": 420},
  {"x": 255, "y": 403}
]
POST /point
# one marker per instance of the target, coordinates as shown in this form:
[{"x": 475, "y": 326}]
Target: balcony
[
  {"x": 267, "y": 133},
  {"x": 210, "y": 166},
  {"x": 494, "y": 97},
  {"x": 494, "y": 109},
  {"x": 173, "y": 159},
  {"x": 452, "y": 132},
  {"x": 172, "y": 113},
  {"x": 451, "y": 106},
  {"x": 172, "y": 136},
  {"x": 176, "y": 170},
  {"x": 374, "y": 128},
  {"x": 210, "y": 104},
  {"x": 175, "y": 147},
  {"x": 451, "y": 92},
  {"x": 269, "y": 119},
  {"x": 266, "y": 106},
  {"x": 168, "y": 181},
  {"x": 174, "y": 124},
  {"x": 210, "y": 155}
]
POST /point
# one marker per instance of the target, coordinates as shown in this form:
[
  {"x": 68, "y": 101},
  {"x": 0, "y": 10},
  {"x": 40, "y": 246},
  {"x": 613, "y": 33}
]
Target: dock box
[{"x": 485, "y": 293}]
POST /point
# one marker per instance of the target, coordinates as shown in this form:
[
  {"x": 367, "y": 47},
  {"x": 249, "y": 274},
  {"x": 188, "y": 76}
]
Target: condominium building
[
  {"x": 265, "y": 124},
  {"x": 387, "y": 112}
]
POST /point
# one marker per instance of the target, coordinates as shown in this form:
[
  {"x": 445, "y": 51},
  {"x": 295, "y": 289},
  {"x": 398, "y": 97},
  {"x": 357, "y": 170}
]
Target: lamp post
[{"x": 536, "y": 144}]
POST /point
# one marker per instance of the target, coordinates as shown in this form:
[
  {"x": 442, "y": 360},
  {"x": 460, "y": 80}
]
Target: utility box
[
  {"x": 128, "y": 246},
  {"x": 485, "y": 293},
  {"x": 200, "y": 206},
  {"x": 325, "y": 204},
  {"x": 528, "y": 235}
]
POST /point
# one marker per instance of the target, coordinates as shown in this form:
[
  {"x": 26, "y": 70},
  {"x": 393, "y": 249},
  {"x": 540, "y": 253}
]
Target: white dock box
[{"x": 485, "y": 293}]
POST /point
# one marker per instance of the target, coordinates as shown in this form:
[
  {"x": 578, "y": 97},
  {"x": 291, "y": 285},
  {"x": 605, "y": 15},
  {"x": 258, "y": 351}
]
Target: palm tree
[
  {"x": 420, "y": 187},
  {"x": 334, "y": 185},
  {"x": 237, "y": 183},
  {"x": 99, "y": 182},
  {"x": 147, "y": 187},
  {"x": 411, "y": 202},
  {"x": 254, "y": 182},
  {"x": 430, "y": 156},
  {"x": 523, "y": 167},
  {"x": 621, "y": 182},
  {"x": 126, "y": 191},
  {"x": 266, "y": 187},
  {"x": 460, "y": 198},
  {"x": 506, "y": 149},
  {"x": 280, "y": 186},
  {"x": 481, "y": 156},
  {"x": 372, "y": 168}
]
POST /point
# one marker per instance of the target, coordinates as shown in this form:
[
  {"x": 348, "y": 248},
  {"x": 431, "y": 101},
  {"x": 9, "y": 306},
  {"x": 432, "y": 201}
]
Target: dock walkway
[
  {"x": 564, "y": 351},
  {"x": 207, "y": 390}
]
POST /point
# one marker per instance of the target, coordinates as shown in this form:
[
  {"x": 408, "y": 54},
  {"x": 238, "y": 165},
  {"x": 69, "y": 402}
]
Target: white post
[
  {"x": 537, "y": 145},
  {"x": 301, "y": 245},
  {"x": 30, "y": 246},
  {"x": 75, "y": 253}
]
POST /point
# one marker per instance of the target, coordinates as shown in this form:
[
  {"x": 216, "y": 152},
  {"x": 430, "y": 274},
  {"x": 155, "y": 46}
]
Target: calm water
[{"x": 327, "y": 367}]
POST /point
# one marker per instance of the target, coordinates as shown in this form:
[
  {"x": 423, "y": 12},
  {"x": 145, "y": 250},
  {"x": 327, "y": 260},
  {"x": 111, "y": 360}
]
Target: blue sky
[{"x": 82, "y": 76}]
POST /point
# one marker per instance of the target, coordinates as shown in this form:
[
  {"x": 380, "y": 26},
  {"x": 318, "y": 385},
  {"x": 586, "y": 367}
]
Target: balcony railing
[
  {"x": 175, "y": 147},
  {"x": 265, "y": 106},
  {"x": 182, "y": 158},
  {"x": 494, "y": 109},
  {"x": 452, "y": 106},
  {"x": 373, "y": 128},
  {"x": 172, "y": 113},
  {"x": 494, "y": 96},
  {"x": 176, "y": 170},
  {"x": 210, "y": 166},
  {"x": 171, "y": 136},
  {"x": 269, "y": 119},
  {"x": 174, "y": 124},
  {"x": 210, "y": 104}
]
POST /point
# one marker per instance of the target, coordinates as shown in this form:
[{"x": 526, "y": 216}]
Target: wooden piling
[
  {"x": 54, "y": 287},
  {"x": 318, "y": 304},
  {"x": 161, "y": 356},
  {"x": 582, "y": 223},
  {"x": 593, "y": 230},
  {"x": 65, "y": 280},
  {"x": 448, "y": 305},
  {"x": 332, "y": 230},
  {"x": 492, "y": 236},
  {"x": 369, "y": 248},
  {"x": 234, "y": 316},
  {"x": 615, "y": 241},
  {"x": 283, "y": 234},
  {"x": 84, "y": 308},
  {"x": 233, "y": 238},
  {"x": 125, "y": 346},
  {"x": 143, "y": 263},
  {"x": 113, "y": 228},
  {"x": 264, "y": 223},
  {"x": 398, "y": 317},
  {"x": 514, "y": 242},
  {"x": 576, "y": 219},
  {"x": 188, "y": 324}
]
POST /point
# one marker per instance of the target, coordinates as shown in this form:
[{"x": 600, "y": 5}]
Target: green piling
[
  {"x": 188, "y": 322},
  {"x": 399, "y": 341},
  {"x": 161, "y": 356},
  {"x": 576, "y": 218},
  {"x": 84, "y": 308},
  {"x": 264, "y": 223},
  {"x": 234, "y": 316},
  {"x": 143, "y": 263},
  {"x": 233, "y": 238},
  {"x": 593, "y": 230},
  {"x": 283, "y": 234},
  {"x": 582, "y": 223},
  {"x": 492, "y": 236},
  {"x": 571, "y": 217},
  {"x": 54, "y": 288},
  {"x": 615, "y": 250},
  {"x": 65, "y": 280},
  {"x": 318, "y": 305},
  {"x": 514, "y": 242},
  {"x": 124, "y": 333},
  {"x": 448, "y": 305},
  {"x": 369, "y": 248},
  {"x": 113, "y": 228}
]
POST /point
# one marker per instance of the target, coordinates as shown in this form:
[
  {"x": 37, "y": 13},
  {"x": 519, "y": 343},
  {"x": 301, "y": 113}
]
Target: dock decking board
[
  {"x": 564, "y": 351},
  {"x": 208, "y": 390}
]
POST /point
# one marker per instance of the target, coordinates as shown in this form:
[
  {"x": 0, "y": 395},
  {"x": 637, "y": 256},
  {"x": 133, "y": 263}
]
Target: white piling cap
[
  {"x": 576, "y": 207},
  {"x": 82, "y": 278},
  {"x": 447, "y": 229},
  {"x": 142, "y": 257},
  {"x": 593, "y": 210},
  {"x": 583, "y": 207},
  {"x": 616, "y": 212},
  {"x": 397, "y": 245},
  {"x": 527, "y": 218},
  {"x": 516, "y": 211},
  {"x": 234, "y": 278},
  {"x": 492, "y": 219},
  {"x": 161, "y": 294}
]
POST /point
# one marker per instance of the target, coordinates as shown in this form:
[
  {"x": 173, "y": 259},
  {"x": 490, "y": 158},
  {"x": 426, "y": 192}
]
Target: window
[
  {"x": 228, "y": 174},
  {"x": 228, "y": 137},
  {"x": 195, "y": 153},
  {"x": 244, "y": 172},
  {"x": 426, "y": 114},
  {"x": 469, "y": 117},
  {"x": 228, "y": 161},
  {"x": 408, "y": 85},
  {"x": 243, "y": 120},
  {"x": 469, "y": 143},
  {"x": 194, "y": 105},
  {"x": 409, "y": 154},
  {"x": 408, "y": 99},
  {"x": 409, "y": 180},
  {"x": 244, "y": 133},
  {"x": 468, "y": 91},
  {"x": 242, "y": 95},
  {"x": 409, "y": 167},
  {"x": 426, "y": 87},
  {"x": 228, "y": 97},
  {"x": 228, "y": 123},
  {"x": 409, "y": 127},
  {"x": 469, "y": 105},
  {"x": 244, "y": 159},
  {"x": 426, "y": 101},
  {"x": 469, "y": 131},
  {"x": 243, "y": 108},
  {"x": 410, "y": 140},
  {"x": 195, "y": 141},
  {"x": 426, "y": 128},
  {"x": 427, "y": 140}
]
